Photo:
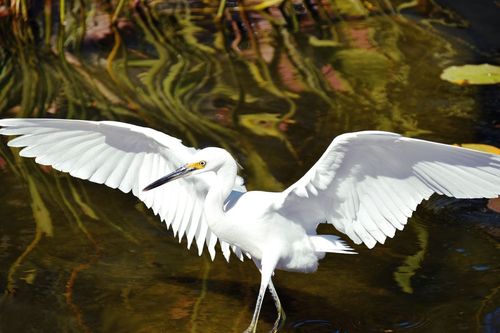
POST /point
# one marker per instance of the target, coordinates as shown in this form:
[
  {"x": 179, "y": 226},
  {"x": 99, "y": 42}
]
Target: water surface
[{"x": 274, "y": 88}]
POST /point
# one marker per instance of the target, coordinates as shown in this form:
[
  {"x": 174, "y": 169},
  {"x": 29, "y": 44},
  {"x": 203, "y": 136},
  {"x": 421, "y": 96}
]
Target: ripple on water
[
  {"x": 319, "y": 326},
  {"x": 315, "y": 325},
  {"x": 412, "y": 324},
  {"x": 481, "y": 267},
  {"x": 492, "y": 321}
]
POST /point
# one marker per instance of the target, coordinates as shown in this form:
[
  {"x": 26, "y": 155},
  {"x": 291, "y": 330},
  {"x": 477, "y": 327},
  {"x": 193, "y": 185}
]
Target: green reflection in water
[{"x": 273, "y": 85}]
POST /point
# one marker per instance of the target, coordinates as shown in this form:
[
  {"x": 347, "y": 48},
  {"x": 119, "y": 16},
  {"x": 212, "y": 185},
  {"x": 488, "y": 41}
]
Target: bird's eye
[{"x": 203, "y": 163}]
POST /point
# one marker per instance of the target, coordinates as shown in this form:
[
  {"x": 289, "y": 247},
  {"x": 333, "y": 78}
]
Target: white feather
[
  {"x": 122, "y": 156},
  {"x": 377, "y": 179}
]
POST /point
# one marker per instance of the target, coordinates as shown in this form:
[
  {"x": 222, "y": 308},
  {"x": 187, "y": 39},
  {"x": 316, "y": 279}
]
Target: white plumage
[
  {"x": 366, "y": 184},
  {"x": 126, "y": 157}
]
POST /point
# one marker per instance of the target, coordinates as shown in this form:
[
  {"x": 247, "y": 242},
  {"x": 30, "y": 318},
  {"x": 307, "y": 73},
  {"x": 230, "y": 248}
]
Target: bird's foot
[
  {"x": 278, "y": 324},
  {"x": 250, "y": 329}
]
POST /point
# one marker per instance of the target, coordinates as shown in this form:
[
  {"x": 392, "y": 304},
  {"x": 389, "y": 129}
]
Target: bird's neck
[{"x": 218, "y": 193}]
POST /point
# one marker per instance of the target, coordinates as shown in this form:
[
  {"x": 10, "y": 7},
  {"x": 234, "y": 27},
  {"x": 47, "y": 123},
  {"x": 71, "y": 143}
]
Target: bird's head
[{"x": 208, "y": 159}]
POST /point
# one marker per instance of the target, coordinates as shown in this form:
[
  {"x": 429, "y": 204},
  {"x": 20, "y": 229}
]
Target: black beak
[{"x": 179, "y": 173}]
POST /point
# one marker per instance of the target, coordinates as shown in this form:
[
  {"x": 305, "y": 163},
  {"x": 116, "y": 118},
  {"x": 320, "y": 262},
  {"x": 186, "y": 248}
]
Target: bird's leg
[
  {"x": 281, "y": 313},
  {"x": 253, "y": 325},
  {"x": 267, "y": 269}
]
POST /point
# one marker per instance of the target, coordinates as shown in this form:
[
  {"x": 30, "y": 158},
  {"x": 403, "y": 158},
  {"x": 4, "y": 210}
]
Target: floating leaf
[
  {"x": 494, "y": 205},
  {"x": 481, "y": 147},
  {"x": 472, "y": 74}
]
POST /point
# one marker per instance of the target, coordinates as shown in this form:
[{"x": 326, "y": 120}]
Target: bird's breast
[{"x": 261, "y": 231}]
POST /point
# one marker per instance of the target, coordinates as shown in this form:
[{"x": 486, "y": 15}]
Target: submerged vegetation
[
  {"x": 206, "y": 70},
  {"x": 271, "y": 81}
]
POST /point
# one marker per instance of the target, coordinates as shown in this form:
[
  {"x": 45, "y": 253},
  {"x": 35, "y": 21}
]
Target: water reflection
[{"x": 273, "y": 84}]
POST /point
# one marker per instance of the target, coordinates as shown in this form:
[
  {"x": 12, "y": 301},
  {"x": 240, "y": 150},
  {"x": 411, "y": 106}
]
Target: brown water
[{"x": 274, "y": 89}]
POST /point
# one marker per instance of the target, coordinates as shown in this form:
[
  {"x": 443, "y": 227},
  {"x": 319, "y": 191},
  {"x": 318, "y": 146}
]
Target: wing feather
[
  {"x": 367, "y": 184},
  {"x": 65, "y": 159},
  {"x": 126, "y": 157},
  {"x": 237, "y": 252},
  {"x": 155, "y": 174},
  {"x": 379, "y": 221},
  {"x": 226, "y": 251},
  {"x": 136, "y": 187},
  {"x": 185, "y": 219},
  {"x": 127, "y": 182},
  {"x": 41, "y": 138},
  {"x": 117, "y": 175},
  {"x": 201, "y": 236},
  {"x": 386, "y": 217},
  {"x": 211, "y": 241},
  {"x": 197, "y": 211},
  {"x": 87, "y": 161},
  {"x": 103, "y": 171},
  {"x": 181, "y": 208},
  {"x": 175, "y": 205}
]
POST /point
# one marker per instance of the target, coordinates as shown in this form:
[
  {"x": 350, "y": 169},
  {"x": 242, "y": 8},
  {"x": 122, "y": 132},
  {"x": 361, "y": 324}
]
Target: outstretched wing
[
  {"x": 126, "y": 157},
  {"x": 367, "y": 184}
]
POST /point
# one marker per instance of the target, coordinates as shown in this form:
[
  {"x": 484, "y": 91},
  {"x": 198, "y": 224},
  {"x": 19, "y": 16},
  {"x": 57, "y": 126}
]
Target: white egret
[{"x": 367, "y": 184}]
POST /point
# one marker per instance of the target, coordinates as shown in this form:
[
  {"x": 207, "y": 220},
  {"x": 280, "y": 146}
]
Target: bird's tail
[{"x": 331, "y": 244}]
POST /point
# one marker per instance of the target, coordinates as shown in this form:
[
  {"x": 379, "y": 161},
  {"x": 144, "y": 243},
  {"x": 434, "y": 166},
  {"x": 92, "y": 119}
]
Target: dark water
[{"x": 274, "y": 89}]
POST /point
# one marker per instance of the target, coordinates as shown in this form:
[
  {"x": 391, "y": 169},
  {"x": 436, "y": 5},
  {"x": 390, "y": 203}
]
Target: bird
[{"x": 366, "y": 184}]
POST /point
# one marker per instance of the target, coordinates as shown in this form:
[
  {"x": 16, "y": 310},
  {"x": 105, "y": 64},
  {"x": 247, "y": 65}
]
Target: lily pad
[
  {"x": 481, "y": 147},
  {"x": 472, "y": 74}
]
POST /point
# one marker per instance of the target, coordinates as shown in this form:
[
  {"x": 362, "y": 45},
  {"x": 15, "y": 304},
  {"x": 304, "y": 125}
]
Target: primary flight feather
[{"x": 366, "y": 184}]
